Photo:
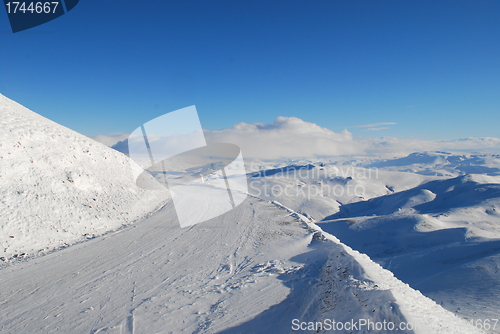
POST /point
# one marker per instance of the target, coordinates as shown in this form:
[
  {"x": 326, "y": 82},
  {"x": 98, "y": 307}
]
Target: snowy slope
[
  {"x": 318, "y": 190},
  {"x": 252, "y": 270},
  {"x": 442, "y": 237},
  {"x": 58, "y": 187},
  {"x": 438, "y": 232}
]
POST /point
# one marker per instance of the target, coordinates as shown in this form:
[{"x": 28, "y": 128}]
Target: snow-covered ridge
[
  {"x": 442, "y": 238},
  {"x": 58, "y": 187},
  {"x": 354, "y": 285},
  {"x": 437, "y": 231}
]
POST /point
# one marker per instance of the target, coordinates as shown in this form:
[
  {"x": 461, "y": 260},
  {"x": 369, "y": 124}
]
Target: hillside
[
  {"x": 58, "y": 187},
  {"x": 442, "y": 237}
]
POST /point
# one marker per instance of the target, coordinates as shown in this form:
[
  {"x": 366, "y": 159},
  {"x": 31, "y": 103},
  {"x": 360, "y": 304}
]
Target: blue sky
[{"x": 431, "y": 67}]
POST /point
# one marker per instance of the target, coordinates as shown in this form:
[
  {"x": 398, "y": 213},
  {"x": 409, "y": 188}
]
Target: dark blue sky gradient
[{"x": 432, "y": 67}]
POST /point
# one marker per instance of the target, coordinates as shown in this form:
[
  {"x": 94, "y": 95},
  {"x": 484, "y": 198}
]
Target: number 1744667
[{"x": 31, "y": 7}]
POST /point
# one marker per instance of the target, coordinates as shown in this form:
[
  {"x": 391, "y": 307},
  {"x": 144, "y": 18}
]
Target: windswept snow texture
[{"x": 58, "y": 187}]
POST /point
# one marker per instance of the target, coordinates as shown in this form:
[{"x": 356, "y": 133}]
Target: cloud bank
[
  {"x": 291, "y": 138},
  {"x": 286, "y": 137}
]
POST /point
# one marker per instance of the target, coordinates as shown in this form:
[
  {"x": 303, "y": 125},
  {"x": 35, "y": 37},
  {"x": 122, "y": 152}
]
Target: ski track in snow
[
  {"x": 151, "y": 277},
  {"x": 251, "y": 271}
]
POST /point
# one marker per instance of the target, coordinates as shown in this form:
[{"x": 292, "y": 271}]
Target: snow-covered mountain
[
  {"x": 439, "y": 232},
  {"x": 442, "y": 163},
  {"x": 58, "y": 187},
  {"x": 442, "y": 237},
  {"x": 260, "y": 268},
  {"x": 318, "y": 190},
  {"x": 270, "y": 265}
]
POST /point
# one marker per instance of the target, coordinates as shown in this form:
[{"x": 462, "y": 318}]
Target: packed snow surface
[{"x": 253, "y": 270}]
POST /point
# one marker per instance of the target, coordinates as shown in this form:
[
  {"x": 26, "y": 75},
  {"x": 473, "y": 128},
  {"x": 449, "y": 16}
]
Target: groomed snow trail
[
  {"x": 252, "y": 270},
  {"x": 155, "y": 277}
]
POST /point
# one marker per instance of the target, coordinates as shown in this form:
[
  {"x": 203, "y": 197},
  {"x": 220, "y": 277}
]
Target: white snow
[
  {"x": 253, "y": 270},
  {"x": 442, "y": 237},
  {"x": 58, "y": 187},
  {"x": 319, "y": 191},
  {"x": 292, "y": 250}
]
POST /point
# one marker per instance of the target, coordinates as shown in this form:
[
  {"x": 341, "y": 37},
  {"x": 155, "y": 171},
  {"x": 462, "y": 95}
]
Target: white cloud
[
  {"x": 286, "y": 137},
  {"x": 374, "y": 125},
  {"x": 376, "y": 129},
  {"x": 291, "y": 137}
]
